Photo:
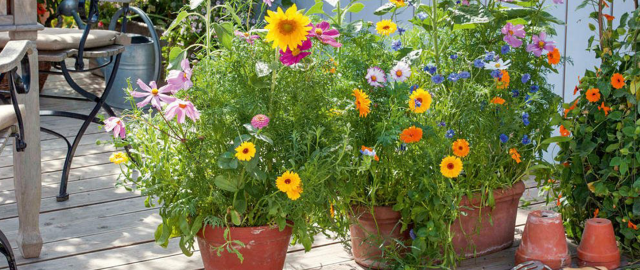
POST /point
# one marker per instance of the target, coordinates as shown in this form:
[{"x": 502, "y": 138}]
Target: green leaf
[
  {"x": 615, "y": 161},
  {"x": 384, "y": 9},
  {"x": 183, "y": 14},
  {"x": 235, "y": 218},
  {"x": 225, "y": 184},
  {"x": 176, "y": 55},
  {"x": 197, "y": 224},
  {"x": 636, "y": 207},
  {"x": 612, "y": 147},
  {"x": 629, "y": 131},
  {"x": 240, "y": 203},
  {"x": 317, "y": 8},
  {"x": 518, "y": 21},
  {"x": 355, "y": 8},
  {"x": 193, "y": 4},
  {"x": 224, "y": 31},
  {"x": 556, "y": 139},
  {"x": 183, "y": 246}
]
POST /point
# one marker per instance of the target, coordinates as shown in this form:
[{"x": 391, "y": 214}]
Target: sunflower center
[
  {"x": 399, "y": 73},
  {"x": 541, "y": 44},
  {"x": 182, "y": 105},
  {"x": 318, "y": 31},
  {"x": 450, "y": 166},
  {"x": 154, "y": 91},
  {"x": 246, "y": 150},
  {"x": 287, "y": 27},
  {"x": 295, "y": 52},
  {"x": 287, "y": 181},
  {"x": 374, "y": 78}
]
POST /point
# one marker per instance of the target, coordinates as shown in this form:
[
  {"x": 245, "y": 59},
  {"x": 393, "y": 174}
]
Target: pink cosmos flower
[
  {"x": 326, "y": 35},
  {"x": 465, "y": 2},
  {"x": 268, "y": 2},
  {"x": 260, "y": 121},
  {"x": 289, "y": 57},
  {"x": 182, "y": 108},
  {"x": 539, "y": 44},
  {"x": 512, "y": 33},
  {"x": 249, "y": 38},
  {"x": 376, "y": 77},
  {"x": 558, "y": 1},
  {"x": 181, "y": 79},
  {"x": 116, "y": 125},
  {"x": 153, "y": 94}
]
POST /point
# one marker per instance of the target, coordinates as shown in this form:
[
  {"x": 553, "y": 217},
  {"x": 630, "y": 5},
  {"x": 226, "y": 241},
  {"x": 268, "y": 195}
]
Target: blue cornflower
[
  {"x": 454, "y": 77},
  {"x": 525, "y": 119},
  {"x": 442, "y": 124},
  {"x": 464, "y": 75},
  {"x": 534, "y": 88},
  {"x": 496, "y": 73},
  {"x": 450, "y": 133},
  {"x": 490, "y": 56},
  {"x": 422, "y": 16},
  {"x": 413, "y": 88},
  {"x": 418, "y": 103},
  {"x": 437, "y": 79},
  {"x": 401, "y": 30},
  {"x": 478, "y": 63},
  {"x": 504, "y": 138},
  {"x": 515, "y": 93},
  {"x": 396, "y": 45},
  {"x": 431, "y": 69},
  {"x": 525, "y": 139},
  {"x": 403, "y": 147},
  {"x": 525, "y": 78},
  {"x": 526, "y": 98},
  {"x": 412, "y": 234},
  {"x": 505, "y": 49},
  {"x": 453, "y": 56}
]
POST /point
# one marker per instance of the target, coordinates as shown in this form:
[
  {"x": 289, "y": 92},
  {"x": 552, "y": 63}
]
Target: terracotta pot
[
  {"x": 598, "y": 245},
  {"x": 474, "y": 235},
  {"x": 366, "y": 237},
  {"x": 265, "y": 248},
  {"x": 544, "y": 240}
]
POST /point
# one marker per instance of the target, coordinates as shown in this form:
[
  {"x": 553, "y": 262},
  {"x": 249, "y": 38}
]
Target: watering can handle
[{"x": 154, "y": 35}]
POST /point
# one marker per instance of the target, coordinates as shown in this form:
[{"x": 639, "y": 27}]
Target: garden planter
[
  {"x": 369, "y": 232},
  {"x": 544, "y": 240},
  {"x": 265, "y": 248},
  {"x": 598, "y": 245},
  {"x": 474, "y": 235}
]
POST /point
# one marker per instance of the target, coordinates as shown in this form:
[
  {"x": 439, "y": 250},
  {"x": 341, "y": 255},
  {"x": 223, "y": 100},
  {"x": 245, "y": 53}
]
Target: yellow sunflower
[
  {"x": 246, "y": 151},
  {"x": 420, "y": 101},
  {"x": 398, "y": 3},
  {"x": 451, "y": 167},
  {"x": 460, "y": 148},
  {"x": 294, "y": 194},
  {"x": 386, "y": 27},
  {"x": 362, "y": 102},
  {"x": 288, "y": 181},
  {"x": 118, "y": 158},
  {"x": 287, "y": 29}
]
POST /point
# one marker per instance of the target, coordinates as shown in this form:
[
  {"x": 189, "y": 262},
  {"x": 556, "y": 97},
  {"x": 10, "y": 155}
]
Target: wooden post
[{"x": 25, "y": 16}]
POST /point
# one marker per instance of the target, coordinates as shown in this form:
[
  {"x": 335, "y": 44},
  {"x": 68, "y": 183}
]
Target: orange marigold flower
[
  {"x": 617, "y": 81},
  {"x": 411, "y": 135},
  {"x": 593, "y": 95},
  {"x": 362, "y": 102},
  {"x": 503, "y": 82},
  {"x": 497, "y": 100},
  {"x": 604, "y": 108},
  {"x": 632, "y": 226},
  {"x": 595, "y": 213},
  {"x": 564, "y": 132},
  {"x": 609, "y": 17},
  {"x": 554, "y": 56},
  {"x": 460, "y": 148},
  {"x": 515, "y": 155}
]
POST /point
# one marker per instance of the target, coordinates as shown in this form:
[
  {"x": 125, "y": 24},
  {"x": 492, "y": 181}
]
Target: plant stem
[
  {"x": 434, "y": 30},
  {"x": 208, "y": 22}
]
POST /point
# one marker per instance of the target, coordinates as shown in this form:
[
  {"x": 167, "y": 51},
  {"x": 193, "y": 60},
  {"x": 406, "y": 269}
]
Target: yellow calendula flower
[
  {"x": 118, "y": 158},
  {"x": 420, "y": 101},
  {"x": 362, "y": 102},
  {"x": 386, "y": 27},
  {"x": 288, "y": 181},
  {"x": 451, "y": 167},
  {"x": 295, "y": 194},
  {"x": 246, "y": 151},
  {"x": 398, "y": 3},
  {"x": 460, "y": 148},
  {"x": 287, "y": 29}
]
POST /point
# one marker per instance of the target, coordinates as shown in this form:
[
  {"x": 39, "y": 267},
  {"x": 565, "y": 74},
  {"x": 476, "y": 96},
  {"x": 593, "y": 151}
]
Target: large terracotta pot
[
  {"x": 370, "y": 232},
  {"x": 476, "y": 237},
  {"x": 265, "y": 248}
]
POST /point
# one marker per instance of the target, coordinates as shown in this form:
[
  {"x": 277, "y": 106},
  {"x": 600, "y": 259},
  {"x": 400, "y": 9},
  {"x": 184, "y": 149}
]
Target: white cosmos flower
[
  {"x": 401, "y": 72},
  {"x": 500, "y": 65},
  {"x": 376, "y": 77}
]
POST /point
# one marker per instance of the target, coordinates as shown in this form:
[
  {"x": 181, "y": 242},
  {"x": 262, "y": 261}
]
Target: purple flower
[
  {"x": 525, "y": 139},
  {"x": 325, "y": 34},
  {"x": 442, "y": 124},
  {"x": 412, "y": 234},
  {"x": 182, "y": 108},
  {"x": 453, "y": 56},
  {"x": 512, "y": 33},
  {"x": 515, "y": 93},
  {"x": 504, "y": 138},
  {"x": 249, "y": 38},
  {"x": 437, "y": 79},
  {"x": 558, "y": 1},
  {"x": 525, "y": 119},
  {"x": 153, "y": 94},
  {"x": 116, "y": 125},
  {"x": 534, "y": 88},
  {"x": 396, "y": 45},
  {"x": 431, "y": 69},
  {"x": 464, "y": 75},
  {"x": 526, "y": 98},
  {"x": 496, "y": 73},
  {"x": 289, "y": 57},
  {"x": 539, "y": 44},
  {"x": 505, "y": 49},
  {"x": 260, "y": 121},
  {"x": 181, "y": 80},
  {"x": 413, "y": 88},
  {"x": 478, "y": 63},
  {"x": 450, "y": 133},
  {"x": 489, "y": 56},
  {"x": 401, "y": 30},
  {"x": 403, "y": 147},
  {"x": 525, "y": 78},
  {"x": 454, "y": 77},
  {"x": 422, "y": 16}
]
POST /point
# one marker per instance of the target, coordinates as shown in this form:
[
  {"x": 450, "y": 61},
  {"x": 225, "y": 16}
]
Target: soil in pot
[
  {"x": 265, "y": 248},
  {"x": 371, "y": 232},
  {"x": 486, "y": 230}
]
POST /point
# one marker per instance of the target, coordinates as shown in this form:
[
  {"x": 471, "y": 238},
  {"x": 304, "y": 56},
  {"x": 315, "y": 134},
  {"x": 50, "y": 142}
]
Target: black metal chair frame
[
  {"x": 7, "y": 251},
  {"x": 99, "y": 100}
]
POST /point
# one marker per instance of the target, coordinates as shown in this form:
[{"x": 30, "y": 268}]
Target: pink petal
[
  {"x": 144, "y": 102},
  {"x": 185, "y": 64},
  {"x": 143, "y": 86},
  {"x": 324, "y": 25}
]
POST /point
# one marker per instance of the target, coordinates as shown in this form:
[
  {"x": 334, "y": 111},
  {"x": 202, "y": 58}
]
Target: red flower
[{"x": 564, "y": 132}]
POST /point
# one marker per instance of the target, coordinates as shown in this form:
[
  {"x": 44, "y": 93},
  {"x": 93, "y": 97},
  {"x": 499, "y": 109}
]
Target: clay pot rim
[{"x": 501, "y": 194}]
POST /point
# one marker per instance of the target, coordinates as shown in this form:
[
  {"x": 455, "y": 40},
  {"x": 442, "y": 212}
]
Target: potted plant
[
  {"x": 235, "y": 151},
  {"x": 599, "y": 157}
]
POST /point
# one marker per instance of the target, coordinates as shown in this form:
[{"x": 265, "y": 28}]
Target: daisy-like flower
[
  {"x": 181, "y": 80},
  {"x": 460, "y": 148},
  {"x": 362, "y": 102},
  {"x": 260, "y": 121},
  {"x": 512, "y": 33},
  {"x": 376, "y": 77},
  {"x": 246, "y": 151},
  {"x": 248, "y": 37},
  {"x": 401, "y": 72},
  {"x": 593, "y": 95},
  {"x": 118, "y": 158},
  {"x": 295, "y": 194},
  {"x": 515, "y": 155},
  {"x": 268, "y": 2},
  {"x": 564, "y": 132},
  {"x": 411, "y": 135},
  {"x": 116, "y": 125},
  {"x": 540, "y": 44},
  {"x": 287, "y": 29},
  {"x": 503, "y": 81},
  {"x": 498, "y": 65},
  {"x": 325, "y": 34},
  {"x": 420, "y": 101},
  {"x": 398, "y": 3},
  {"x": 386, "y": 27},
  {"x": 182, "y": 108},
  {"x": 451, "y": 167},
  {"x": 292, "y": 57},
  {"x": 617, "y": 81},
  {"x": 288, "y": 181},
  {"x": 153, "y": 94},
  {"x": 554, "y": 56},
  {"x": 366, "y": 151}
]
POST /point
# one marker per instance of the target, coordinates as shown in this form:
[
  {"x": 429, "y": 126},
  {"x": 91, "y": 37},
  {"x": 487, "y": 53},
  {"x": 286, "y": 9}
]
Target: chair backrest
[{"x": 20, "y": 19}]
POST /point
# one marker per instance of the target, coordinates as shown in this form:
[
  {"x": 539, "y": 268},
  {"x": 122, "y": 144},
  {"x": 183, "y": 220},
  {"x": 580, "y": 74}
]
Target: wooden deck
[{"x": 103, "y": 227}]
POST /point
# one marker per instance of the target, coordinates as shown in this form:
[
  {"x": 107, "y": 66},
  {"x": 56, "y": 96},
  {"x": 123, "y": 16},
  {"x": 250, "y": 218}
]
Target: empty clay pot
[
  {"x": 366, "y": 237},
  {"x": 598, "y": 245},
  {"x": 544, "y": 240}
]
